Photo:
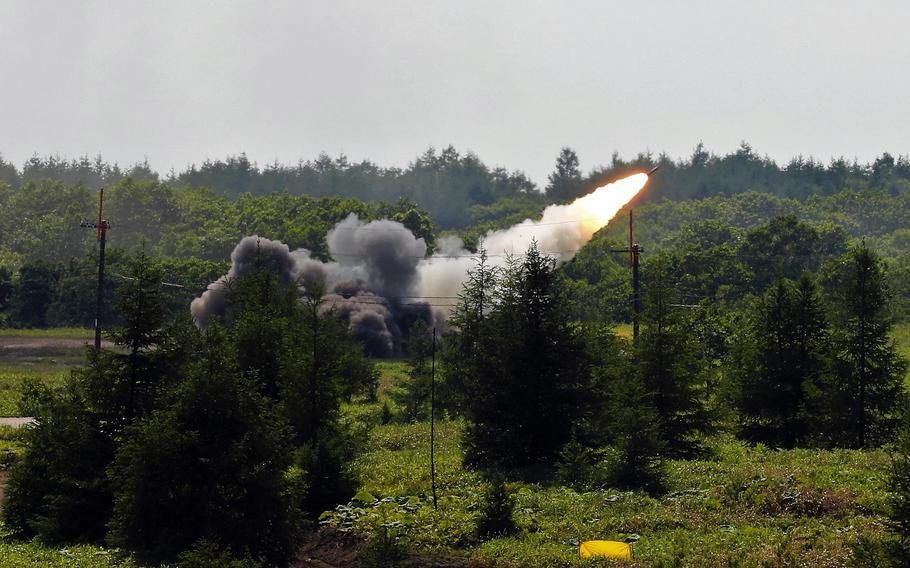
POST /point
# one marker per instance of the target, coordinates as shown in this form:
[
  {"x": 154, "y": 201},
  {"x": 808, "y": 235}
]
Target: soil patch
[
  {"x": 16, "y": 421},
  {"x": 332, "y": 548}
]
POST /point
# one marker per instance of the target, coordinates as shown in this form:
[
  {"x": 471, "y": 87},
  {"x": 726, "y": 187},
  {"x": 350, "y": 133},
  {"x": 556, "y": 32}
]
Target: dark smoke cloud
[
  {"x": 370, "y": 283},
  {"x": 273, "y": 255}
]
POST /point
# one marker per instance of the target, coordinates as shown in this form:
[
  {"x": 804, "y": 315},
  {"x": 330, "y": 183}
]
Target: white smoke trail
[{"x": 561, "y": 232}]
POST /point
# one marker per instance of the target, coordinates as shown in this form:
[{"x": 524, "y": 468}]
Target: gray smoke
[{"x": 371, "y": 282}]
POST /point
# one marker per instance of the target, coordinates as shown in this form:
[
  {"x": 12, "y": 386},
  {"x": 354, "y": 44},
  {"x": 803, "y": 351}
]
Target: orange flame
[{"x": 595, "y": 209}]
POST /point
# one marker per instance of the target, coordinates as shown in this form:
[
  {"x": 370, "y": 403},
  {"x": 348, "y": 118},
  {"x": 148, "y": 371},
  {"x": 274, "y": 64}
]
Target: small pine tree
[
  {"x": 463, "y": 355},
  {"x": 529, "y": 380},
  {"x": 565, "y": 182},
  {"x": 865, "y": 396},
  {"x": 891, "y": 550},
  {"x": 635, "y": 427},
  {"x": 384, "y": 550},
  {"x": 899, "y": 505},
  {"x": 575, "y": 467},
  {"x": 141, "y": 309},
  {"x": 412, "y": 395},
  {"x": 670, "y": 365},
  {"x": 496, "y": 511},
  {"x": 784, "y": 355}
]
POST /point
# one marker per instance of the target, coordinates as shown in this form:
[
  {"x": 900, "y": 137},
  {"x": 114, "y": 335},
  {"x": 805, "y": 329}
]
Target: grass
[
  {"x": 623, "y": 330},
  {"x": 391, "y": 372},
  {"x": 742, "y": 506},
  {"x": 901, "y": 335},
  {"x": 17, "y": 555},
  {"x": 12, "y": 381},
  {"x": 55, "y": 332}
]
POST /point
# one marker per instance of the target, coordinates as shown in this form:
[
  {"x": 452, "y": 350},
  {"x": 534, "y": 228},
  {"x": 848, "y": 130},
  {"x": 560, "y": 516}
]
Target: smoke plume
[{"x": 380, "y": 272}]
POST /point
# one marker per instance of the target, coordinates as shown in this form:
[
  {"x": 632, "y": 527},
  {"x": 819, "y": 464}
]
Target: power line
[{"x": 519, "y": 225}]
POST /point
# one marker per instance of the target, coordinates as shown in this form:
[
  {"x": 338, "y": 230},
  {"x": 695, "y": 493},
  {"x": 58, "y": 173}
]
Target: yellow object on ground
[{"x": 605, "y": 548}]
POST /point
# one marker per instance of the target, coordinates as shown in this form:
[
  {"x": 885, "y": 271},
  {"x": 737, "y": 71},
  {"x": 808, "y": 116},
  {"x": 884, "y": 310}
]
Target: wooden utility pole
[
  {"x": 101, "y": 227},
  {"x": 433, "y": 421},
  {"x": 634, "y": 250}
]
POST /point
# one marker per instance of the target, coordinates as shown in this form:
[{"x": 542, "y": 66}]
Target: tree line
[{"x": 458, "y": 189}]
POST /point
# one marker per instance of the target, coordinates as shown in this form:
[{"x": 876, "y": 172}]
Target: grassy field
[
  {"x": 55, "y": 333},
  {"x": 739, "y": 506},
  {"x": 901, "y": 336},
  {"x": 47, "y": 363},
  {"x": 14, "y": 555}
]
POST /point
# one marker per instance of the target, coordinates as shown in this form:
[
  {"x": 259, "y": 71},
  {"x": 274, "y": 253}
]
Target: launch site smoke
[{"x": 380, "y": 271}]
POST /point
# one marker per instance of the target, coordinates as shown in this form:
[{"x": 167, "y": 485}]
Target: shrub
[
  {"x": 575, "y": 467},
  {"x": 496, "y": 513},
  {"x": 383, "y": 551},
  {"x": 58, "y": 490},
  {"x": 208, "y": 554}
]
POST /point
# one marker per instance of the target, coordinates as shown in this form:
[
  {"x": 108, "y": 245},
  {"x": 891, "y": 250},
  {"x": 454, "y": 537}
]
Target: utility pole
[
  {"x": 634, "y": 250},
  {"x": 101, "y": 227},
  {"x": 433, "y": 421}
]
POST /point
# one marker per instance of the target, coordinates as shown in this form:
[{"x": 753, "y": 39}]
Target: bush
[
  {"x": 383, "y": 551},
  {"x": 576, "y": 466},
  {"x": 58, "y": 490},
  {"x": 208, "y": 554},
  {"x": 496, "y": 514},
  {"x": 386, "y": 416},
  {"x": 325, "y": 475}
]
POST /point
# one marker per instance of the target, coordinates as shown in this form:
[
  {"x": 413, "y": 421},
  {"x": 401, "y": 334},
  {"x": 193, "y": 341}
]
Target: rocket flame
[{"x": 598, "y": 207}]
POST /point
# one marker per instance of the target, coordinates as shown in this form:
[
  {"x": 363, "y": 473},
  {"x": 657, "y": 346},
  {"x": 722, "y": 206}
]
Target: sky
[{"x": 177, "y": 82}]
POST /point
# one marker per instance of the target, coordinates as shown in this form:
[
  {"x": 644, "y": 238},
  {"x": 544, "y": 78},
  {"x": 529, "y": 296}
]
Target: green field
[
  {"x": 739, "y": 506},
  {"x": 56, "y": 333}
]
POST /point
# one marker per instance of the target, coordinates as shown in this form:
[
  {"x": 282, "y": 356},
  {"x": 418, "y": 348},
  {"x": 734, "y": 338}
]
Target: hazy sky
[{"x": 178, "y": 82}]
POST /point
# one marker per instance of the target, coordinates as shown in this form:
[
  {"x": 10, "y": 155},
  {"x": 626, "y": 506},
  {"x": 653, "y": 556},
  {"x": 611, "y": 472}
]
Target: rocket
[{"x": 654, "y": 169}]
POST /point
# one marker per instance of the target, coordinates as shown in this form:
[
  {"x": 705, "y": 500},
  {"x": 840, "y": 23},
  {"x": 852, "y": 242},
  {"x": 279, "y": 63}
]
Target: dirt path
[{"x": 16, "y": 421}]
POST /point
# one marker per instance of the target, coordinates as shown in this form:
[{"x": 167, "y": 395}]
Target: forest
[{"x": 759, "y": 419}]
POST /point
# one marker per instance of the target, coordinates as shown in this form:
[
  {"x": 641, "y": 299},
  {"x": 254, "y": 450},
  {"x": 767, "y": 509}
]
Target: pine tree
[
  {"x": 866, "y": 394},
  {"x": 463, "y": 351},
  {"x": 262, "y": 312},
  {"x": 141, "y": 309},
  {"x": 60, "y": 490},
  {"x": 211, "y": 466},
  {"x": 565, "y": 182},
  {"x": 530, "y": 376},
  {"x": 412, "y": 395},
  {"x": 320, "y": 366},
  {"x": 636, "y": 437},
  {"x": 670, "y": 365},
  {"x": 784, "y": 356}
]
